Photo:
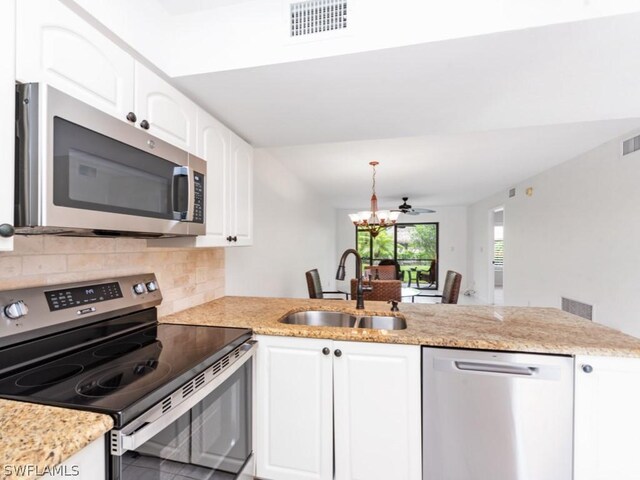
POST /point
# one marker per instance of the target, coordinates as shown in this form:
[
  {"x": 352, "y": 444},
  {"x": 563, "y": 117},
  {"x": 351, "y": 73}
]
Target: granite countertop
[
  {"x": 518, "y": 329},
  {"x": 47, "y": 436},
  {"x": 44, "y": 436}
]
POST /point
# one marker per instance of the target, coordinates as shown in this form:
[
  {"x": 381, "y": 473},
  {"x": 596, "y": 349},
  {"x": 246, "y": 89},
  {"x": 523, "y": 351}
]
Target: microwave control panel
[{"x": 198, "y": 198}]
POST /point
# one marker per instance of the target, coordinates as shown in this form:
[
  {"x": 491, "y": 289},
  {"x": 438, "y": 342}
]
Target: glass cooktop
[{"x": 127, "y": 375}]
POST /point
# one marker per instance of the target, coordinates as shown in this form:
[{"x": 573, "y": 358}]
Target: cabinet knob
[
  {"x": 338, "y": 353},
  {"x": 144, "y": 124},
  {"x": 235, "y": 239},
  {"x": 326, "y": 351},
  {"x": 587, "y": 368},
  {"x": 7, "y": 230},
  {"x": 229, "y": 238},
  {"x": 132, "y": 117}
]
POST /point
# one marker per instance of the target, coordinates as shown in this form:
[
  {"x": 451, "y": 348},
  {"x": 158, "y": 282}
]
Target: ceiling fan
[{"x": 409, "y": 210}]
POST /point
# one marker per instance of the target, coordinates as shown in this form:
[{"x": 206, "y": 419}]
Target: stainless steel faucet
[{"x": 340, "y": 275}]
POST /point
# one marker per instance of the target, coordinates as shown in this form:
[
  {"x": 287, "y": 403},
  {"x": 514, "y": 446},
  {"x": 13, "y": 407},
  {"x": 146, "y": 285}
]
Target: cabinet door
[
  {"x": 607, "y": 418},
  {"x": 7, "y": 115},
  {"x": 87, "y": 463},
  {"x": 56, "y": 46},
  {"x": 377, "y": 411},
  {"x": 171, "y": 115},
  {"x": 241, "y": 191},
  {"x": 214, "y": 146},
  {"x": 294, "y": 409}
]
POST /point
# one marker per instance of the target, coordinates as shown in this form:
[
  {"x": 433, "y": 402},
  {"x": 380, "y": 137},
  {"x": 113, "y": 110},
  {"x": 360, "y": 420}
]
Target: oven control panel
[
  {"x": 32, "y": 312},
  {"x": 79, "y": 296}
]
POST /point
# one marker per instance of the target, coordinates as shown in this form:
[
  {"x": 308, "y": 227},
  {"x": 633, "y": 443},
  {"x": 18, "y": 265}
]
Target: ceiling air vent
[
  {"x": 631, "y": 145},
  {"x": 317, "y": 16}
]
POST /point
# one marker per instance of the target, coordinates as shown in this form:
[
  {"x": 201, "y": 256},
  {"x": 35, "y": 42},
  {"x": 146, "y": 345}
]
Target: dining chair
[
  {"x": 390, "y": 261},
  {"x": 382, "y": 272},
  {"x": 381, "y": 290},
  {"x": 315, "y": 287},
  {"x": 451, "y": 290},
  {"x": 428, "y": 276}
]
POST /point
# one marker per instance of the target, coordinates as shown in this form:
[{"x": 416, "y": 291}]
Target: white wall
[
  {"x": 294, "y": 231},
  {"x": 577, "y": 236},
  {"x": 453, "y": 240}
]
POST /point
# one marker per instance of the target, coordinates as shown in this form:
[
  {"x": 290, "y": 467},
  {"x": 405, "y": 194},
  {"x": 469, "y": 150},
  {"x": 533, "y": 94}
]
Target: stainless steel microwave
[{"x": 82, "y": 172}]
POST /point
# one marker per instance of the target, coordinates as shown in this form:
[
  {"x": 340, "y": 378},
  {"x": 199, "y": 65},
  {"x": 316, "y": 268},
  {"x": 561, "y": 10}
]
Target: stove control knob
[
  {"x": 16, "y": 310},
  {"x": 151, "y": 286},
  {"x": 139, "y": 288}
]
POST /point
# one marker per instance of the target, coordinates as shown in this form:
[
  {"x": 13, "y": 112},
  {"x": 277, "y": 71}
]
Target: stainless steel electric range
[{"x": 180, "y": 396}]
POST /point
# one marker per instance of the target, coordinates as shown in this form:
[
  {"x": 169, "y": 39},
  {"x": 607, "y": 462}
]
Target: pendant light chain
[{"x": 373, "y": 187}]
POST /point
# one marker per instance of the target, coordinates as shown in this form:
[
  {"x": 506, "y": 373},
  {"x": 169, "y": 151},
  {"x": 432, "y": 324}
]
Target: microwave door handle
[
  {"x": 183, "y": 201},
  {"x": 191, "y": 195}
]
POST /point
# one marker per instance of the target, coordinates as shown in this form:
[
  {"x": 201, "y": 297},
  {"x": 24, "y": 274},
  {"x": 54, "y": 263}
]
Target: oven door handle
[
  {"x": 182, "y": 210},
  {"x": 142, "y": 434}
]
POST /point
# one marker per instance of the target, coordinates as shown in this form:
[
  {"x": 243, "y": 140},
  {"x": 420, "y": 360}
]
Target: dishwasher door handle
[{"x": 496, "y": 368}]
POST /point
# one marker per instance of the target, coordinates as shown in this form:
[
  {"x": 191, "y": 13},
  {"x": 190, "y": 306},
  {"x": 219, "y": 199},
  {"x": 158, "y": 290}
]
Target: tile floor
[{"x": 145, "y": 467}]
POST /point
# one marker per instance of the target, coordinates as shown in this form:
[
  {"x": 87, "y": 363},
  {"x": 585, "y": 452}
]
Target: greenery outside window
[{"x": 413, "y": 245}]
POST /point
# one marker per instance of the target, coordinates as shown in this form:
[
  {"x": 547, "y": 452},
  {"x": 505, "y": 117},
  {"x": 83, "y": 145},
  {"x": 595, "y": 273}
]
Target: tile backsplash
[{"x": 187, "y": 277}]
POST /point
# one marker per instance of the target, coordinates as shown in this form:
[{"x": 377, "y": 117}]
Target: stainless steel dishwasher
[{"x": 496, "y": 416}]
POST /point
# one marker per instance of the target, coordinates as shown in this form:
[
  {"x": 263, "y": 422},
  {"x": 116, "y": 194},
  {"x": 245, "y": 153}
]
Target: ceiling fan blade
[{"x": 422, "y": 210}]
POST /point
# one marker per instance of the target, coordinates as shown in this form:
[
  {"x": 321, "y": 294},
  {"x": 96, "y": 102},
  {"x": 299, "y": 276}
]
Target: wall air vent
[
  {"x": 512, "y": 192},
  {"x": 317, "y": 16},
  {"x": 583, "y": 310},
  {"x": 631, "y": 145}
]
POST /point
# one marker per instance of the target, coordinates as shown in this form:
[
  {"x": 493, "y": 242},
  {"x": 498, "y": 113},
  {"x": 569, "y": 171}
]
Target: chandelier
[{"x": 374, "y": 220}]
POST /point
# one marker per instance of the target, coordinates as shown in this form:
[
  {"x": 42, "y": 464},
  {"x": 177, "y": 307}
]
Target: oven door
[
  {"x": 99, "y": 173},
  {"x": 211, "y": 440}
]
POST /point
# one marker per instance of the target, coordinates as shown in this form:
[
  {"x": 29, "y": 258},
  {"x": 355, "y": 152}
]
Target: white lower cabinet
[
  {"x": 359, "y": 400},
  {"x": 88, "y": 463},
  {"x": 607, "y": 418}
]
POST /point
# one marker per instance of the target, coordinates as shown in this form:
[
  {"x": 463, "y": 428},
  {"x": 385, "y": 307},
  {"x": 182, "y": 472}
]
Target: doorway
[{"x": 496, "y": 277}]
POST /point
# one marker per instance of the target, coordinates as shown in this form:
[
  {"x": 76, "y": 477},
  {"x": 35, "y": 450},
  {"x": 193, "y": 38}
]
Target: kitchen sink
[
  {"x": 383, "y": 323},
  {"x": 321, "y": 318}
]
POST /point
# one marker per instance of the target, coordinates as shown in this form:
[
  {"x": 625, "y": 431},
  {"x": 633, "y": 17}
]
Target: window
[{"x": 413, "y": 245}]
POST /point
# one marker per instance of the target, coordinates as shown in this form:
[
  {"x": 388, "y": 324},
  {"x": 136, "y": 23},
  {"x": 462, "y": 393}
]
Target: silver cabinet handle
[{"x": 496, "y": 368}]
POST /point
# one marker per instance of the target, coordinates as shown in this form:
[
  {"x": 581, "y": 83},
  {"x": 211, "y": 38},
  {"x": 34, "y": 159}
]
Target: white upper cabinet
[
  {"x": 214, "y": 145},
  {"x": 241, "y": 191},
  {"x": 163, "y": 110},
  {"x": 56, "y": 46},
  {"x": 607, "y": 418},
  {"x": 7, "y": 115}
]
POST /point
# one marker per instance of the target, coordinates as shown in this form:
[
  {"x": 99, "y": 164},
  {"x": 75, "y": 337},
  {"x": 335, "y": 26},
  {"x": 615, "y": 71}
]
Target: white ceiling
[
  {"x": 441, "y": 170},
  {"x": 583, "y": 71},
  {"x": 451, "y": 122},
  {"x": 181, "y": 7}
]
